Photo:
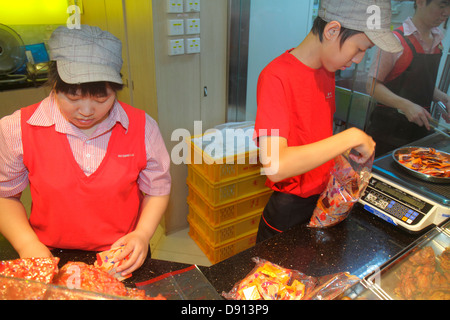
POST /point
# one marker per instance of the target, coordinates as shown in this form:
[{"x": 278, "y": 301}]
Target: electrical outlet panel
[
  {"x": 175, "y": 27},
  {"x": 192, "y": 26},
  {"x": 175, "y": 6},
  {"x": 192, "y": 6},
  {"x": 176, "y": 47},
  {"x": 193, "y": 45}
]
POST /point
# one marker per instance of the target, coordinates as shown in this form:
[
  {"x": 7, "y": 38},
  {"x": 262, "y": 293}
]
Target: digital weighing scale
[{"x": 404, "y": 200}]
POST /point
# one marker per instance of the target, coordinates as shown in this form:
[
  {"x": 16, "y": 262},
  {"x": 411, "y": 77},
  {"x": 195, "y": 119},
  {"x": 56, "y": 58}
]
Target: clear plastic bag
[
  {"x": 268, "y": 281},
  {"x": 347, "y": 182},
  {"x": 332, "y": 286},
  {"x": 185, "y": 284}
]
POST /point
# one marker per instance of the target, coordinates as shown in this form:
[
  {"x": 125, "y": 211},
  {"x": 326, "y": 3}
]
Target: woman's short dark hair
[
  {"x": 319, "y": 27},
  {"x": 87, "y": 89}
]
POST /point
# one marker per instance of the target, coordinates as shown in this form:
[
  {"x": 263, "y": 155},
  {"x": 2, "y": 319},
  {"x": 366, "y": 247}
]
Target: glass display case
[{"x": 421, "y": 271}]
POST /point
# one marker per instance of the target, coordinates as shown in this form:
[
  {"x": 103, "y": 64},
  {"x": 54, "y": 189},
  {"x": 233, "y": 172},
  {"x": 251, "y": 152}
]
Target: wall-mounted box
[
  {"x": 192, "y": 6},
  {"x": 175, "y": 6},
  {"x": 193, "y": 45},
  {"x": 176, "y": 47},
  {"x": 192, "y": 26},
  {"x": 175, "y": 27}
]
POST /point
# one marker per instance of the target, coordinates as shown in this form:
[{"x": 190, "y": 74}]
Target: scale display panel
[{"x": 398, "y": 206}]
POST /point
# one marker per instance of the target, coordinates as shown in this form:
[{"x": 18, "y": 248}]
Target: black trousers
[{"x": 284, "y": 211}]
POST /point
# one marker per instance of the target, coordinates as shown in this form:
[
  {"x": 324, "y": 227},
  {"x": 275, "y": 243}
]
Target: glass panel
[
  {"x": 275, "y": 28},
  {"x": 409, "y": 85}
]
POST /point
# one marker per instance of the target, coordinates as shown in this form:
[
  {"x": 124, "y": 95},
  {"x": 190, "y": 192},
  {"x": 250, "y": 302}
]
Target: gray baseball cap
[
  {"x": 373, "y": 17},
  {"x": 88, "y": 54}
]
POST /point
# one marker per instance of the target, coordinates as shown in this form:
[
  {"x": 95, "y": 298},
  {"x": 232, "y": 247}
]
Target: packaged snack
[
  {"x": 332, "y": 286},
  {"x": 347, "y": 182},
  {"x": 105, "y": 261},
  {"x": 268, "y": 281}
]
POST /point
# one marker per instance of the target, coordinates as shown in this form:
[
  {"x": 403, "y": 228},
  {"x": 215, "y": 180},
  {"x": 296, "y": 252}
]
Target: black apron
[
  {"x": 391, "y": 129},
  {"x": 284, "y": 211}
]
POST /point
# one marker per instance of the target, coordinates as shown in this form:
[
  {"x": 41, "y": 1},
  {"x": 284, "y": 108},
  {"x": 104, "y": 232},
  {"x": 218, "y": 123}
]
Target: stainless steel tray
[
  {"x": 386, "y": 280},
  {"x": 419, "y": 175}
]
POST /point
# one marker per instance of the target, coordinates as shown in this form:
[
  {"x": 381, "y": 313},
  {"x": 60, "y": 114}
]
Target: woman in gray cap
[{"x": 98, "y": 169}]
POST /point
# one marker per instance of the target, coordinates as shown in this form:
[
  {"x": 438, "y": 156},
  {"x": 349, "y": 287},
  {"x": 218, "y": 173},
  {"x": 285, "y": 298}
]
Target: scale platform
[{"x": 404, "y": 200}]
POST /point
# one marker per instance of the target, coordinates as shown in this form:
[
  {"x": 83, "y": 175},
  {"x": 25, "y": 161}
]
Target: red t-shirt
[{"x": 299, "y": 102}]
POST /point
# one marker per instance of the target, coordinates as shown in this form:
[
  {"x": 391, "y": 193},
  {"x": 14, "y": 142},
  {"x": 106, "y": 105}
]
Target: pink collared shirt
[{"x": 88, "y": 152}]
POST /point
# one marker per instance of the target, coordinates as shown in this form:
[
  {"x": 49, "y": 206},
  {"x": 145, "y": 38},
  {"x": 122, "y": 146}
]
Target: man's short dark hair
[
  {"x": 87, "y": 89},
  {"x": 319, "y": 27}
]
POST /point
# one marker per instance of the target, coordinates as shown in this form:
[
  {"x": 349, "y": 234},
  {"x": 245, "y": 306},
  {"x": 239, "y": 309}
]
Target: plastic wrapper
[
  {"x": 79, "y": 275},
  {"x": 268, "y": 281},
  {"x": 332, "y": 286},
  {"x": 40, "y": 279},
  {"x": 37, "y": 269},
  {"x": 106, "y": 262},
  {"x": 184, "y": 284},
  {"x": 347, "y": 182}
]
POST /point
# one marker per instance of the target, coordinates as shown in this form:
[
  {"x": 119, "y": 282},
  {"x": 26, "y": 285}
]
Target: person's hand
[
  {"x": 365, "y": 148},
  {"x": 136, "y": 244},
  {"x": 416, "y": 114},
  {"x": 35, "y": 249}
]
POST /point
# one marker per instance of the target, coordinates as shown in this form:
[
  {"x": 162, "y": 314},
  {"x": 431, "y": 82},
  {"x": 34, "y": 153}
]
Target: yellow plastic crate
[
  {"x": 217, "y": 254},
  {"x": 218, "y": 236},
  {"x": 223, "y": 193},
  {"x": 225, "y": 168},
  {"x": 220, "y": 215}
]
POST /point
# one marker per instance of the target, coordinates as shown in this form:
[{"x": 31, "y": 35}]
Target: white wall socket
[
  {"x": 175, "y": 6},
  {"x": 192, "y": 26},
  {"x": 192, "y": 6},
  {"x": 176, "y": 47},
  {"x": 175, "y": 27},
  {"x": 193, "y": 45}
]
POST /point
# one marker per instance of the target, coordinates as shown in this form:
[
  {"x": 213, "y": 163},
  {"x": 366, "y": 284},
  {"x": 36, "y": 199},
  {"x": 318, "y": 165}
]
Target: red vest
[
  {"x": 406, "y": 58},
  {"x": 71, "y": 210}
]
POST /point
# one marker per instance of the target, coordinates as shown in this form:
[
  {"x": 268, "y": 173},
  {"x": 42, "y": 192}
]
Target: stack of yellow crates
[{"x": 226, "y": 200}]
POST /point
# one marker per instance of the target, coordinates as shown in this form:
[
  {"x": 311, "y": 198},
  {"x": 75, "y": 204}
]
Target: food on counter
[
  {"x": 347, "y": 182},
  {"x": 424, "y": 276},
  {"x": 37, "y": 269},
  {"x": 445, "y": 261},
  {"x": 269, "y": 281},
  {"x": 79, "y": 275},
  {"x": 427, "y": 161},
  {"x": 73, "y": 275},
  {"x": 28, "y": 270},
  {"x": 105, "y": 261}
]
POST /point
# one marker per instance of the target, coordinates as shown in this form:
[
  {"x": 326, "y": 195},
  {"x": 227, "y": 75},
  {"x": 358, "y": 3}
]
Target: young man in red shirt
[{"x": 296, "y": 103}]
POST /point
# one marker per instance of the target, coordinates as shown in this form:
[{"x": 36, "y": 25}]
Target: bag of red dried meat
[
  {"x": 26, "y": 279},
  {"x": 37, "y": 269},
  {"x": 79, "y": 275},
  {"x": 347, "y": 182}
]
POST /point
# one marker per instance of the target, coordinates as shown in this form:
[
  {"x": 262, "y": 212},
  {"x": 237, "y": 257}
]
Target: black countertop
[{"x": 357, "y": 245}]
